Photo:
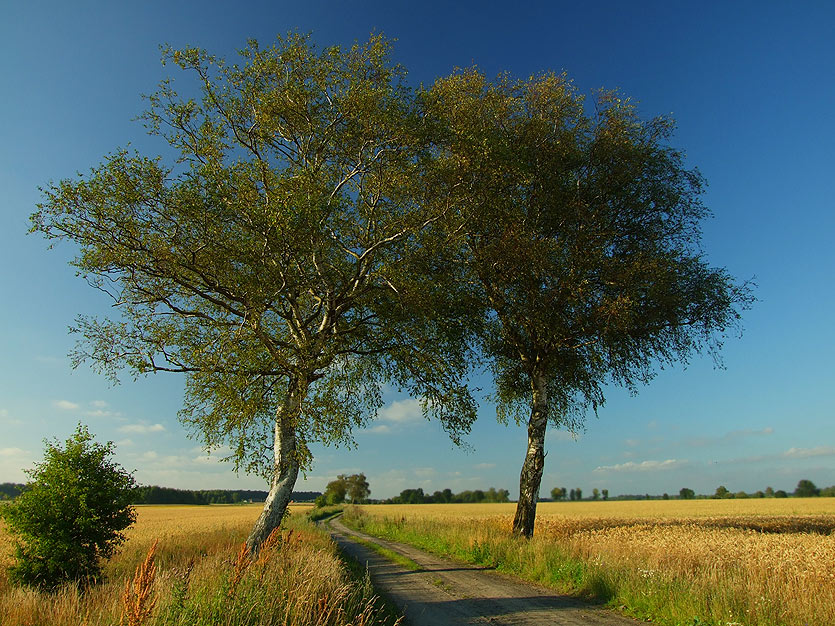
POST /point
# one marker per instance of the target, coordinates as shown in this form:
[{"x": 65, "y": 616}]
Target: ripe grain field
[
  {"x": 201, "y": 577},
  {"x": 754, "y": 562}
]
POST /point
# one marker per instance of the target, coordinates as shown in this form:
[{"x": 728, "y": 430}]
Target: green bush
[{"x": 73, "y": 515}]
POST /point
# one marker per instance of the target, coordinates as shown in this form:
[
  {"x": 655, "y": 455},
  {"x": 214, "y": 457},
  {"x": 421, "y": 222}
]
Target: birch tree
[
  {"x": 272, "y": 259},
  {"x": 582, "y": 232}
]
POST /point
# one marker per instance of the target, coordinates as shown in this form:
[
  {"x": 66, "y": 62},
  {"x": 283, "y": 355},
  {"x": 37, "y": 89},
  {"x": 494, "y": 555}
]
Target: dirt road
[{"x": 444, "y": 593}]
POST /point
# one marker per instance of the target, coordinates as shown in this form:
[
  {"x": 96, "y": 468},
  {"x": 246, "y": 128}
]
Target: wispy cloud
[
  {"x": 401, "y": 412},
  {"x": 379, "y": 429},
  {"x": 12, "y": 452},
  {"x": 643, "y": 466},
  {"x": 729, "y": 437},
  {"x": 99, "y": 404},
  {"x": 102, "y": 413},
  {"x": 142, "y": 429},
  {"x": 66, "y": 405},
  {"x": 4, "y": 412},
  {"x": 484, "y": 466},
  {"x": 805, "y": 453}
]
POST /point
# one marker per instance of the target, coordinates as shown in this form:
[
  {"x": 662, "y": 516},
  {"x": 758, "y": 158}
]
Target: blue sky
[{"x": 750, "y": 85}]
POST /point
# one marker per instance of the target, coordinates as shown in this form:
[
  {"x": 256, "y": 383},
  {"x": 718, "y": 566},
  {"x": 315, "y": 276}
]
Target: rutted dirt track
[{"x": 444, "y": 592}]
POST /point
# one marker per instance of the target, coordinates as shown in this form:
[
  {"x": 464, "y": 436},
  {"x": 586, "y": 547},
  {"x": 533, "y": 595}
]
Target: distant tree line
[
  {"x": 9, "y": 491},
  {"x": 417, "y": 496},
  {"x": 805, "y": 489},
  {"x": 153, "y": 494}
]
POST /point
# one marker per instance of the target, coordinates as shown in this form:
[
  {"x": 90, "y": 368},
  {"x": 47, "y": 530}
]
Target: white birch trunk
[{"x": 531, "y": 475}]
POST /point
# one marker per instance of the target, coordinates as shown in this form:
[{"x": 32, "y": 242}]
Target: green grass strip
[{"x": 391, "y": 555}]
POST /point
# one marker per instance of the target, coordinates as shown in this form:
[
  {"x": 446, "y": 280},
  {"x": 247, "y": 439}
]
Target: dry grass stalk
[
  {"x": 136, "y": 598},
  {"x": 239, "y": 567}
]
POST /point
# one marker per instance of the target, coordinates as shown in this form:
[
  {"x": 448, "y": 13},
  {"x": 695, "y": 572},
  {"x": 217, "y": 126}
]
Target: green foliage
[
  {"x": 685, "y": 493},
  {"x": 73, "y": 516},
  {"x": 722, "y": 492},
  {"x": 354, "y": 487},
  {"x": 417, "y": 496},
  {"x": 806, "y": 489},
  {"x": 558, "y": 493}
]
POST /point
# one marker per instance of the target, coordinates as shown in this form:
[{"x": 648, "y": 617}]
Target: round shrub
[{"x": 72, "y": 516}]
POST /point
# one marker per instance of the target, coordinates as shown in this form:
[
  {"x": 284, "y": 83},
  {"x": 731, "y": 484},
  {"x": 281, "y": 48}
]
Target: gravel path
[{"x": 444, "y": 592}]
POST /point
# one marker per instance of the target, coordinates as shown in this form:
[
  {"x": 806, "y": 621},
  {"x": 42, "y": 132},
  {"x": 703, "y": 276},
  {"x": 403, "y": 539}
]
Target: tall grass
[
  {"x": 205, "y": 578},
  {"x": 717, "y": 571}
]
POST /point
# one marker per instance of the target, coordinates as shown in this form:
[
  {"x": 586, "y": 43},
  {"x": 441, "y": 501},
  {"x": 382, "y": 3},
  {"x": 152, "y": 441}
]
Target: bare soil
[{"x": 444, "y": 592}]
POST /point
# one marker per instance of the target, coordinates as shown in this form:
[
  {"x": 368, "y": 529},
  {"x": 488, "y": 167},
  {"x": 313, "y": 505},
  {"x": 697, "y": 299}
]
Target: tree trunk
[
  {"x": 285, "y": 470},
  {"x": 531, "y": 476}
]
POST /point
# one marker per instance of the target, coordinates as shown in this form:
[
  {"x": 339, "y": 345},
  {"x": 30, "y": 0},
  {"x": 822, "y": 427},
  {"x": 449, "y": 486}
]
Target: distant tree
[
  {"x": 806, "y": 489},
  {"x": 412, "y": 496},
  {"x": 579, "y": 493},
  {"x": 605, "y": 494},
  {"x": 447, "y": 494},
  {"x": 828, "y": 492},
  {"x": 666, "y": 496},
  {"x": 769, "y": 492},
  {"x": 780, "y": 494},
  {"x": 581, "y": 232},
  {"x": 721, "y": 492},
  {"x": 558, "y": 493},
  {"x": 741, "y": 494},
  {"x": 685, "y": 493},
  {"x": 336, "y": 490},
  {"x": 357, "y": 487},
  {"x": 277, "y": 259},
  {"x": 572, "y": 495},
  {"x": 595, "y": 494},
  {"x": 73, "y": 516}
]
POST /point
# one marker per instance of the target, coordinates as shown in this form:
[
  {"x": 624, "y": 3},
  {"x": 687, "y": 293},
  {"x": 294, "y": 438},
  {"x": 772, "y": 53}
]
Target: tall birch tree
[
  {"x": 273, "y": 259},
  {"x": 582, "y": 233}
]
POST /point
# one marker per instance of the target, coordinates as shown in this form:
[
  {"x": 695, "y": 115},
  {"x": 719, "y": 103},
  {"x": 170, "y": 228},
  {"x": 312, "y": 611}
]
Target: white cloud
[
  {"x": 99, "y": 404},
  {"x": 484, "y": 466},
  {"x": 142, "y": 429},
  {"x": 4, "y": 412},
  {"x": 805, "y": 453},
  {"x": 66, "y": 405},
  {"x": 379, "y": 429},
  {"x": 733, "y": 436},
  {"x": 124, "y": 443},
  {"x": 643, "y": 466},
  {"x": 401, "y": 412},
  {"x": 12, "y": 463},
  {"x": 631, "y": 442},
  {"x": 102, "y": 413},
  {"x": 12, "y": 452}
]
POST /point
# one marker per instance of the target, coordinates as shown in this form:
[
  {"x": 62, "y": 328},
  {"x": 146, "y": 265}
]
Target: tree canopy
[
  {"x": 581, "y": 232},
  {"x": 271, "y": 260}
]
